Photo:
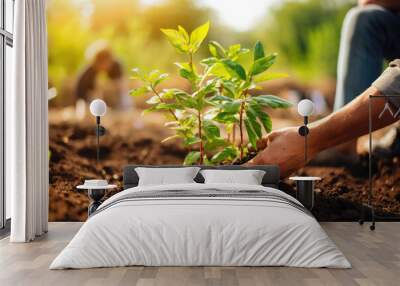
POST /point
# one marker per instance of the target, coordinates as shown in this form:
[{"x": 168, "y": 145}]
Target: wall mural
[{"x": 181, "y": 89}]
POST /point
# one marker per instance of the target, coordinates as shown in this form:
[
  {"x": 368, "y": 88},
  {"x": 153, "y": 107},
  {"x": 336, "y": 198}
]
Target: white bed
[{"x": 269, "y": 228}]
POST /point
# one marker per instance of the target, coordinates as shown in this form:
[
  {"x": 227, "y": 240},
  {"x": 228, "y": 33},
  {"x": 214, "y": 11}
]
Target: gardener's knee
[{"x": 365, "y": 22}]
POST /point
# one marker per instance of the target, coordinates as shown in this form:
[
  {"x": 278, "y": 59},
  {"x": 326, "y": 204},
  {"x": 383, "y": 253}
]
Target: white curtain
[{"x": 27, "y": 124}]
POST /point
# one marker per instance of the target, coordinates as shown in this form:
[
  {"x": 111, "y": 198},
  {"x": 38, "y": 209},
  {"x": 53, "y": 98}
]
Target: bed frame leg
[{"x": 372, "y": 226}]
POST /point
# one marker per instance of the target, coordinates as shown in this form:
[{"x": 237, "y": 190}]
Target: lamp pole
[
  {"x": 305, "y": 139},
  {"x": 98, "y": 108},
  {"x": 98, "y": 139},
  {"x": 305, "y": 185},
  {"x": 305, "y": 109}
]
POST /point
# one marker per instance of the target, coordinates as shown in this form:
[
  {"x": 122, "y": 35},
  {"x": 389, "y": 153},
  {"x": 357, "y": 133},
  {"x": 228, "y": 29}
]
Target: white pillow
[
  {"x": 248, "y": 177},
  {"x": 166, "y": 176}
]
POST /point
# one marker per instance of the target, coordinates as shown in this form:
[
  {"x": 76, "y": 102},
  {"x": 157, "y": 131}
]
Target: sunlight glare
[{"x": 238, "y": 14}]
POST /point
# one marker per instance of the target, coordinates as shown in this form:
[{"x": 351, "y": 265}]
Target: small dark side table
[
  {"x": 305, "y": 190},
  {"x": 95, "y": 194}
]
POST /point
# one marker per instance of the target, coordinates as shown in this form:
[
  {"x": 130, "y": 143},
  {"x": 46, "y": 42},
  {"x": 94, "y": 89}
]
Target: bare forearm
[
  {"x": 389, "y": 4},
  {"x": 348, "y": 123}
]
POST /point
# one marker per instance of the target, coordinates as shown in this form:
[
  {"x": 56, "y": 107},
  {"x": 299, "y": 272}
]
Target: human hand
[
  {"x": 366, "y": 2},
  {"x": 283, "y": 147}
]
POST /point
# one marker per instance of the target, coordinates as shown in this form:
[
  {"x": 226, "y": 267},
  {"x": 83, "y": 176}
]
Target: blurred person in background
[
  {"x": 370, "y": 35},
  {"x": 103, "y": 77}
]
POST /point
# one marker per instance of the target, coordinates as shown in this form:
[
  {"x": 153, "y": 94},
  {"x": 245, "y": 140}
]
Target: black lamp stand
[
  {"x": 305, "y": 188},
  {"x": 303, "y": 131},
  {"x": 100, "y": 131}
]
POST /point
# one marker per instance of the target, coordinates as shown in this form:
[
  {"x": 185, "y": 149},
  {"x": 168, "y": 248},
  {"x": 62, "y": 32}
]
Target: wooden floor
[{"x": 375, "y": 257}]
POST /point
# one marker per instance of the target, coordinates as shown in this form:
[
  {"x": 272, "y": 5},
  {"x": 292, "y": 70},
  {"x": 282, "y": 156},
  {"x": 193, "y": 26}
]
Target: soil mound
[{"x": 73, "y": 159}]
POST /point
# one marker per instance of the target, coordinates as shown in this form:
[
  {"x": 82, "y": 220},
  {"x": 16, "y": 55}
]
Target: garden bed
[{"x": 73, "y": 159}]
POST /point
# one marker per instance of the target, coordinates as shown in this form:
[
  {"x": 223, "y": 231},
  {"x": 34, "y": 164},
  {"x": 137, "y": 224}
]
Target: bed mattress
[{"x": 201, "y": 225}]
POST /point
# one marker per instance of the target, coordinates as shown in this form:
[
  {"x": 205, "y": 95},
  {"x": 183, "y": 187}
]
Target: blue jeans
[{"x": 370, "y": 35}]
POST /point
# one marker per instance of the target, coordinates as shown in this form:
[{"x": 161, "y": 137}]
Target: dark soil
[{"x": 73, "y": 159}]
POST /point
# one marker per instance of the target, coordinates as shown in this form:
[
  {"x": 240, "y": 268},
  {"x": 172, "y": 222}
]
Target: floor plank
[{"x": 375, "y": 257}]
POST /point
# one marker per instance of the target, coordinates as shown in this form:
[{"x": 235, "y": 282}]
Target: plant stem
[
  {"x": 200, "y": 123},
  {"x": 242, "y": 105},
  {"x": 243, "y": 96},
  {"x": 241, "y": 130},
  {"x": 234, "y": 134},
  {"x": 159, "y": 96},
  {"x": 191, "y": 61}
]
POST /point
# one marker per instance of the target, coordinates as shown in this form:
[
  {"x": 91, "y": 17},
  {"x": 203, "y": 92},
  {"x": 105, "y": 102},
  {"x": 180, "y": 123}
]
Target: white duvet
[{"x": 200, "y": 231}]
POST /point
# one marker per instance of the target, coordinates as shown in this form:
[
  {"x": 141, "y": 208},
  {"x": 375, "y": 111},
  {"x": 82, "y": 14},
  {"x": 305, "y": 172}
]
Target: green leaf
[
  {"x": 209, "y": 87},
  {"x": 231, "y": 107},
  {"x": 148, "y": 110},
  {"x": 153, "y": 75},
  {"x": 220, "y": 97},
  {"x": 206, "y": 162},
  {"x": 219, "y": 70},
  {"x": 263, "y": 117},
  {"x": 183, "y": 33},
  {"x": 236, "y": 68},
  {"x": 269, "y": 76},
  {"x": 188, "y": 75},
  {"x": 191, "y": 158},
  {"x": 186, "y": 71},
  {"x": 216, "y": 49},
  {"x": 168, "y": 106},
  {"x": 225, "y": 117},
  {"x": 251, "y": 133},
  {"x": 252, "y": 118},
  {"x": 200, "y": 95},
  {"x": 192, "y": 140},
  {"x": 198, "y": 35},
  {"x": 235, "y": 51},
  {"x": 215, "y": 143},
  {"x": 211, "y": 130},
  {"x": 230, "y": 87},
  {"x": 139, "y": 91},
  {"x": 186, "y": 100},
  {"x": 258, "y": 51},
  {"x": 265, "y": 120},
  {"x": 262, "y": 64},
  {"x": 160, "y": 79},
  {"x": 271, "y": 101},
  {"x": 209, "y": 61},
  {"x": 154, "y": 78},
  {"x": 227, "y": 154},
  {"x": 177, "y": 40},
  {"x": 167, "y": 94}
]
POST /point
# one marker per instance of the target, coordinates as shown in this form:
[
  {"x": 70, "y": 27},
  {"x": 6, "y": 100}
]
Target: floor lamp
[
  {"x": 305, "y": 185},
  {"x": 98, "y": 108}
]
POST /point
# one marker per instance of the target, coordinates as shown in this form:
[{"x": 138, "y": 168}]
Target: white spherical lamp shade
[
  {"x": 305, "y": 107},
  {"x": 98, "y": 107}
]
